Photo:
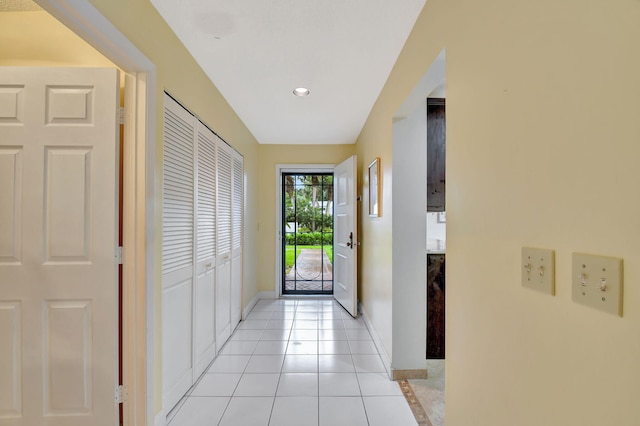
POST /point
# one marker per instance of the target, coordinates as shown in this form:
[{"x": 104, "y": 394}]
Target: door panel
[
  {"x": 236, "y": 290},
  {"x": 67, "y": 209},
  {"x": 223, "y": 304},
  {"x": 67, "y": 357},
  {"x": 10, "y": 203},
  {"x": 177, "y": 361},
  {"x": 204, "y": 321},
  {"x": 236, "y": 258},
  {"x": 11, "y": 354},
  {"x": 177, "y": 252},
  {"x": 58, "y": 236},
  {"x": 224, "y": 231},
  {"x": 204, "y": 294},
  {"x": 345, "y": 238}
]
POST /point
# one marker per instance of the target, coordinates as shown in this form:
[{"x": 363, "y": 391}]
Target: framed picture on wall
[{"x": 374, "y": 188}]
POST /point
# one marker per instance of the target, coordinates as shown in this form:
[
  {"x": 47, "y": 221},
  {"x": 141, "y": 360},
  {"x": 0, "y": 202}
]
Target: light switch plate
[
  {"x": 539, "y": 269},
  {"x": 597, "y": 282}
]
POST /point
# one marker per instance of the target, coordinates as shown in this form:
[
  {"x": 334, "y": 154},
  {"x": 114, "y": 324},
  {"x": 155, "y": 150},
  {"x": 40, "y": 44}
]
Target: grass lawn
[{"x": 290, "y": 258}]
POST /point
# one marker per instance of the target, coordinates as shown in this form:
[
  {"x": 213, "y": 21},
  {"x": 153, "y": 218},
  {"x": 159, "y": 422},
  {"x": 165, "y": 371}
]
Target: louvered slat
[
  {"x": 177, "y": 194},
  {"x": 224, "y": 199},
  {"x": 206, "y": 235},
  {"x": 237, "y": 202}
]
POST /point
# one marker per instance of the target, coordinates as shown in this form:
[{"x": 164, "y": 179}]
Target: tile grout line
[
  {"x": 318, "y": 365},
  {"x": 241, "y": 375},
  {"x": 275, "y": 395},
  {"x": 364, "y": 407}
]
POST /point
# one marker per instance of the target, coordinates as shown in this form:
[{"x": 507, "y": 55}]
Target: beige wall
[
  {"x": 375, "y": 251},
  {"x": 542, "y": 145},
  {"x": 270, "y": 155},
  {"x": 36, "y": 39}
]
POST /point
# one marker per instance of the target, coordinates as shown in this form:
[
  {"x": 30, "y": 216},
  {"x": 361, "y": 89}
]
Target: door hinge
[
  {"x": 121, "y": 394},
  {"x": 119, "y": 255},
  {"x": 121, "y": 115}
]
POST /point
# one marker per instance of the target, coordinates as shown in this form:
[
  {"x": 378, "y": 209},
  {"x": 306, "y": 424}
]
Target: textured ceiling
[
  {"x": 256, "y": 52},
  {"x": 18, "y": 6}
]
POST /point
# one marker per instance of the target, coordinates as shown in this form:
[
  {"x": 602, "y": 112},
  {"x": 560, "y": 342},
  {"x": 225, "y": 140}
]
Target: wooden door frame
[{"x": 139, "y": 198}]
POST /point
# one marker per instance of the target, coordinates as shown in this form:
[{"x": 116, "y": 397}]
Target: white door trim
[
  {"x": 289, "y": 168},
  {"x": 139, "y": 196}
]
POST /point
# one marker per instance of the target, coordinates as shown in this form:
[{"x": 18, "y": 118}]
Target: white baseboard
[
  {"x": 260, "y": 295},
  {"x": 386, "y": 360},
  {"x": 267, "y": 295},
  {"x": 250, "y": 306}
]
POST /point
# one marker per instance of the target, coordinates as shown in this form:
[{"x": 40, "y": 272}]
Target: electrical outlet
[
  {"x": 597, "y": 282},
  {"x": 538, "y": 269}
]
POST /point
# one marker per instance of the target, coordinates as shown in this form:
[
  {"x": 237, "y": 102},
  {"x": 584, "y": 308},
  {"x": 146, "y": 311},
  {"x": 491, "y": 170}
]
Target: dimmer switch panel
[
  {"x": 597, "y": 282},
  {"x": 538, "y": 269}
]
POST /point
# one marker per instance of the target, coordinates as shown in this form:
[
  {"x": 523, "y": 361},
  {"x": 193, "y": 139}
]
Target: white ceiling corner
[{"x": 257, "y": 52}]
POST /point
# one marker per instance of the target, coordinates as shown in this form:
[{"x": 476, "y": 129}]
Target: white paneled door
[
  {"x": 345, "y": 289},
  {"x": 58, "y": 240}
]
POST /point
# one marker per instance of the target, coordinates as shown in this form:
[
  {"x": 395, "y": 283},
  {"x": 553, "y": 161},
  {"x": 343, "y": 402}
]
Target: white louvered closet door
[
  {"x": 177, "y": 252},
  {"x": 237, "y": 238},
  {"x": 204, "y": 291},
  {"x": 224, "y": 230}
]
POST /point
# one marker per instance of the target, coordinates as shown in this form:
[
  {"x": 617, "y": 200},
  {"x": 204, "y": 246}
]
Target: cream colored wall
[
  {"x": 179, "y": 74},
  {"x": 375, "y": 251},
  {"x": 542, "y": 144},
  {"x": 270, "y": 155},
  {"x": 36, "y": 39}
]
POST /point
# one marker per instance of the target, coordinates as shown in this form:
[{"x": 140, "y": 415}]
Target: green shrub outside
[{"x": 309, "y": 239}]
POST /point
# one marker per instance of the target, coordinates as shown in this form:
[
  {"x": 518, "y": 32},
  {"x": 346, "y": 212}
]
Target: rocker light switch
[
  {"x": 538, "y": 269},
  {"x": 597, "y": 282}
]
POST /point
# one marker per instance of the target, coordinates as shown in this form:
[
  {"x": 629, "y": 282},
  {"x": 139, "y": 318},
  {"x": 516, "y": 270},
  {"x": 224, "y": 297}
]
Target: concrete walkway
[{"x": 312, "y": 271}]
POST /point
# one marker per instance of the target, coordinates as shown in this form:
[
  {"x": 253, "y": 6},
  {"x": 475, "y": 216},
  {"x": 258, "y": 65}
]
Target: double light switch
[
  {"x": 597, "y": 282},
  {"x": 538, "y": 269}
]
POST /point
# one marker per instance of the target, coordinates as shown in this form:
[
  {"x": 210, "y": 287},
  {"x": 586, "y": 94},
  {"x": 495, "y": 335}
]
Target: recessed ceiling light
[{"x": 301, "y": 91}]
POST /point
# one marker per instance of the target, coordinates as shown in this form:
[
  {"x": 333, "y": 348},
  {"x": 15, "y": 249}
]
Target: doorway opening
[
  {"x": 109, "y": 48},
  {"x": 307, "y": 233}
]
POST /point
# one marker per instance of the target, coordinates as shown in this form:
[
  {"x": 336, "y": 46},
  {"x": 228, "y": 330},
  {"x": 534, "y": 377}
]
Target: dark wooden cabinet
[
  {"x": 435, "y": 306},
  {"x": 436, "y": 154}
]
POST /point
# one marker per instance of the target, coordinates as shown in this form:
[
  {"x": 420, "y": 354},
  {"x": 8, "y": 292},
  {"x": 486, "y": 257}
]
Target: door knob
[{"x": 350, "y": 242}]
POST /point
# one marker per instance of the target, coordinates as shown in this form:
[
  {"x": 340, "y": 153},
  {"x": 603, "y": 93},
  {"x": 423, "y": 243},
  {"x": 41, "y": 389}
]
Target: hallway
[{"x": 296, "y": 362}]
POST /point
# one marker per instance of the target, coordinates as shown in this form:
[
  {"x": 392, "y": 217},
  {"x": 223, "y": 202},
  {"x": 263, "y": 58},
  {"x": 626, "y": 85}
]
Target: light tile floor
[{"x": 296, "y": 362}]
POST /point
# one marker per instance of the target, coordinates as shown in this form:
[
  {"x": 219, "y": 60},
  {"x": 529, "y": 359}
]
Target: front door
[
  {"x": 58, "y": 239},
  {"x": 345, "y": 238},
  {"x": 307, "y": 237}
]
